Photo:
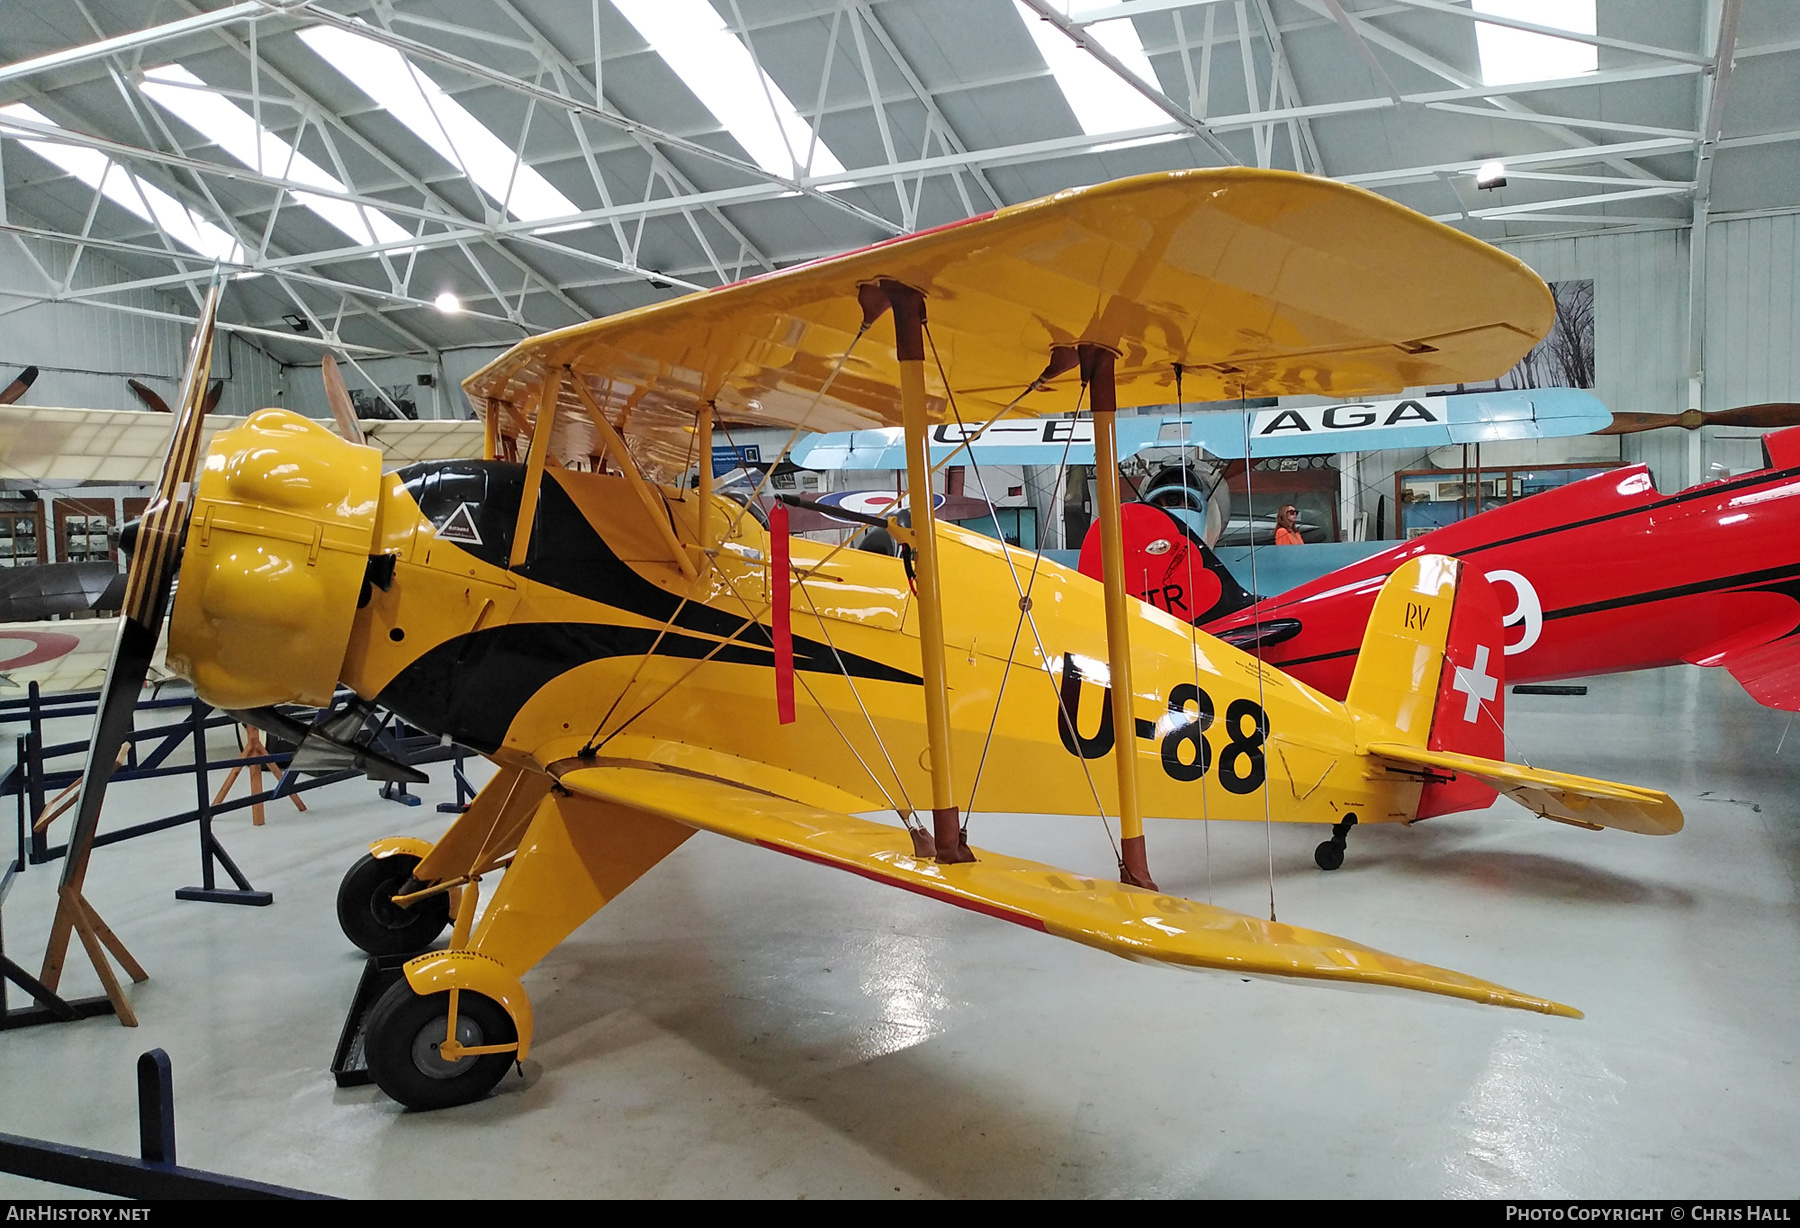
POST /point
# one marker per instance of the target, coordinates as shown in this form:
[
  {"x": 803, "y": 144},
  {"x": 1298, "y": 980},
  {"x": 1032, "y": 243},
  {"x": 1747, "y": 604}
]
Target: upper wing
[
  {"x": 1255, "y": 282},
  {"x": 1579, "y": 800},
  {"x": 1417, "y": 422},
  {"x": 1414, "y": 422},
  {"x": 1125, "y": 920},
  {"x": 127, "y": 445}
]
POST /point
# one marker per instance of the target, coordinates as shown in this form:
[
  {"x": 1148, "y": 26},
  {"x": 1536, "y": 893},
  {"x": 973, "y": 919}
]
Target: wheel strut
[{"x": 1330, "y": 854}]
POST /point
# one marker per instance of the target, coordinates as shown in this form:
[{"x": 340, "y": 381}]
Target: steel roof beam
[
  {"x": 102, "y": 48},
  {"x": 493, "y": 76},
  {"x": 1174, "y": 110},
  {"x": 324, "y": 115},
  {"x": 1285, "y": 76},
  {"x": 1572, "y": 36},
  {"x": 670, "y": 173}
]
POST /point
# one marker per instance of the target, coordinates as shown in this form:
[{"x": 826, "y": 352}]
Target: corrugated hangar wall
[
  {"x": 86, "y": 353},
  {"x": 1751, "y": 346}
]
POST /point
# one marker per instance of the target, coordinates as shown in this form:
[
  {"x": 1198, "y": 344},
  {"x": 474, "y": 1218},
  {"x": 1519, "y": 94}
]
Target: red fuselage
[{"x": 1602, "y": 576}]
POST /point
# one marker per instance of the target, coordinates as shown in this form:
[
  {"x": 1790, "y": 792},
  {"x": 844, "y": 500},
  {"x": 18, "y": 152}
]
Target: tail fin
[
  {"x": 1432, "y": 666},
  {"x": 1432, "y": 670},
  {"x": 1169, "y": 566}
]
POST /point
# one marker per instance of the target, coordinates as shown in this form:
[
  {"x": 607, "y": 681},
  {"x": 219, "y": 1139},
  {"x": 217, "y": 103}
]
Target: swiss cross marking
[{"x": 1476, "y": 683}]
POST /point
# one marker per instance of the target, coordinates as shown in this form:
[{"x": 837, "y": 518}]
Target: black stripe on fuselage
[
  {"x": 569, "y": 554},
  {"x": 472, "y": 686},
  {"x": 1687, "y": 496},
  {"x": 1767, "y": 577},
  {"x": 1323, "y": 656}
]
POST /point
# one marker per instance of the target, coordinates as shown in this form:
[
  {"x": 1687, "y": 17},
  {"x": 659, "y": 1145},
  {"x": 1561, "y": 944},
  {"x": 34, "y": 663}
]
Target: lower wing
[
  {"x": 1577, "y": 800},
  {"x": 1125, "y": 920}
]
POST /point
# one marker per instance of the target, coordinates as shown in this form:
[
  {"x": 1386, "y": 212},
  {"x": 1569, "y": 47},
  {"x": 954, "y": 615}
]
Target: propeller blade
[
  {"x": 213, "y": 396},
  {"x": 155, "y": 554},
  {"x": 149, "y": 397},
  {"x": 16, "y": 389},
  {"x": 1632, "y": 423},
  {"x": 1767, "y": 416},
  {"x": 339, "y": 396}
]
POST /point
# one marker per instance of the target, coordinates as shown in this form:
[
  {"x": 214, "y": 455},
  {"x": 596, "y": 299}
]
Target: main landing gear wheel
[
  {"x": 370, "y": 918},
  {"x": 405, "y": 1032},
  {"x": 1330, "y": 854}
]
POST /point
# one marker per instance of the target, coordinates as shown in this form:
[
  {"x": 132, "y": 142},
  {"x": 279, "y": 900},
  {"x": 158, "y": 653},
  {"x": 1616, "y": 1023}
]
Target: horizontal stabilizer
[
  {"x": 1770, "y": 673},
  {"x": 1579, "y": 800},
  {"x": 1124, "y": 920}
]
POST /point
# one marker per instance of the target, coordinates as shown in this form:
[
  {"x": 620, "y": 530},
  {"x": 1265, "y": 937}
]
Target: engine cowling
[{"x": 284, "y": 515}]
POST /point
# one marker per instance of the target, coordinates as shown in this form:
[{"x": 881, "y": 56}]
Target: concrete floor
[{"x": 742, "y": 1024}]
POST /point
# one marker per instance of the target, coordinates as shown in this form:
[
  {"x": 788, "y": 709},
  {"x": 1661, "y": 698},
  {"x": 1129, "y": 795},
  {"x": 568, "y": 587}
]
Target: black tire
[
  {"x": 370, "y": 918},
  {"x": 404, "y": 1031},
  {"x": 1329, "y": 855}
]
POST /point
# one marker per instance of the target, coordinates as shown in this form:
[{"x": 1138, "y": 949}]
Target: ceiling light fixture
[
  {"x": 447, "y": 303},
  {"x": 1491, "y": 175},
  {"x": 299, "y": 324}
]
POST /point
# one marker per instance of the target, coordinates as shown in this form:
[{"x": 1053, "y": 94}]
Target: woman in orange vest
[{"x": 1286, "y": 521}]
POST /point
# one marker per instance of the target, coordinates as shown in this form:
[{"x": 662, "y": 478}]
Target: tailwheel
[
  {"x": 404, "y": 1040},
  {"x": 1330, "y": 854},
  {"x": 370, "y": 918}
]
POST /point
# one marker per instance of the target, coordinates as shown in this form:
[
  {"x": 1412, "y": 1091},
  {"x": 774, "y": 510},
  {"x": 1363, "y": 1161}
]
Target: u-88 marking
[{"x": 1186, "y": 753}]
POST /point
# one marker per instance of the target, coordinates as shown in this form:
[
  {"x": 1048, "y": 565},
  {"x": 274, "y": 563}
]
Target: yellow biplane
[{"x": 621, "y": 642}]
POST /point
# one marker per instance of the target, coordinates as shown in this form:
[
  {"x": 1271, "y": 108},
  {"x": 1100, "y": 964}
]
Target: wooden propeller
[
  {"x": 339, "y": 396},
  {"x": 153, "y": 400},
  {"x": 16, "y": 389},
  {"x": 1767, "y": 416},
  {"x": 155, "y": 545}
]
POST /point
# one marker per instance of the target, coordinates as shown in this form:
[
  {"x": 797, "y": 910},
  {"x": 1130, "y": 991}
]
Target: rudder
[{"x": 1432, "y": 666}]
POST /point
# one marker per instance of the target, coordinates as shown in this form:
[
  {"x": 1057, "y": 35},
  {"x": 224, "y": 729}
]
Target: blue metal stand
[
  {"x": 465, "y": 792},
  {"x": 154, "y": 1173}
]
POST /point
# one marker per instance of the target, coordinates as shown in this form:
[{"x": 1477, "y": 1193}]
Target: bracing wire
[
  {"x": 1261, "y": 699},
  {"x": 904, "y": 808},
  {"x": 856, "y": 695},
  {"x": 1024, "y": 593},
  {"x": 1193, "y": 629},
  {"x": 589, "y": 746},
  {"x": 799, "y": 426}
]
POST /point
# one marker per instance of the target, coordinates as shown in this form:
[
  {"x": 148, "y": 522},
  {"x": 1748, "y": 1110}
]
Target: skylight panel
[
  {"x": 1101, "y": 101},
  {"x": 400, "y": 89},
  {"x": 235, "y": 131},
  {"x": 1509, "y": 57},
  {"x": 144, "y": 200},
  {"x": 694, "y": 41}
]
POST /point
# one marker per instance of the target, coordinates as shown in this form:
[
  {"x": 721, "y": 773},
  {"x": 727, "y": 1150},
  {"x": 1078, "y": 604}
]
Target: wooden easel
[
  {"x": 74, "y": 912},
  {"x": 253, "y": 748}
]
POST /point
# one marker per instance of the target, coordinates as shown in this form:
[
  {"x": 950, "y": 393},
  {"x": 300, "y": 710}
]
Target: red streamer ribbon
[{"x": 780, "y": 587}]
